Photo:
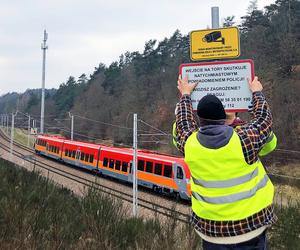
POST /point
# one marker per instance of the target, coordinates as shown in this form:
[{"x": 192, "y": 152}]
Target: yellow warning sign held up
[{"x": 215, "y": 44}]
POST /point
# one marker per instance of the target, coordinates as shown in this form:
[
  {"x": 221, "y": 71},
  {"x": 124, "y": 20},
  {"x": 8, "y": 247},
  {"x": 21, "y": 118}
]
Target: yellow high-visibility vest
[
  {"x": 224, "y": 186},
  {"x": 174, "y": 135},
  {"x": 269, "y": 146}
]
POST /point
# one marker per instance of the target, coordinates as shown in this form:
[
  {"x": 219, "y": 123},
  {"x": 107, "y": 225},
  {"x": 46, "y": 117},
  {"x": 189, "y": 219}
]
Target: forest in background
[{"x": 145, "y": 83}]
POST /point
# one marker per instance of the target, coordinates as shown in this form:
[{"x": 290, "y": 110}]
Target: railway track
[{"x": 155, "y": 207}]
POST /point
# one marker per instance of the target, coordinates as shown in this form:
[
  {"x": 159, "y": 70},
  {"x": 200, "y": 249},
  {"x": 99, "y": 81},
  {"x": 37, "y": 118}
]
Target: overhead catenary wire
[
  {"x": 151, "y": 126},
  {"x": 104, "y": 123}
]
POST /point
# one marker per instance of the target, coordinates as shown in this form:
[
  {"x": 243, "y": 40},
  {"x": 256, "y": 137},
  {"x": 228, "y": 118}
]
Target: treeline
[{"x": 145, "y": 83}]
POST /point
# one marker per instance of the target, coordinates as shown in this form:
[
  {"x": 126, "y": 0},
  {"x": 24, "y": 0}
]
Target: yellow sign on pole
[{"x": 215, "y": 44}]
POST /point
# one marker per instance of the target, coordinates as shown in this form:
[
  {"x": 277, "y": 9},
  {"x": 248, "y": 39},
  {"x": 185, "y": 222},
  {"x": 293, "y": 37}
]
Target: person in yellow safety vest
[
  {"x": 231, "y": 120},
  {"x": 232, "y": 196}
]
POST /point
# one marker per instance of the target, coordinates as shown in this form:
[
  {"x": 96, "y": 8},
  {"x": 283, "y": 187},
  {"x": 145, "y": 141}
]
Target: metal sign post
[
  {"x": 72, "y": 127},
  {"x": 134, "y": 168},
  {"x": 7, "y": 121},
  {"x": 28, "y": 142},
  {"x": 12, "y": 136},
  {"x": 215, "y": 17}
]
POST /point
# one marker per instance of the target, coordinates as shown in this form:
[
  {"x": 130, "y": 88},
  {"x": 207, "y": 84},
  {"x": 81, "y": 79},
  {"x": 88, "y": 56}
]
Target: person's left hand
[{"x": 184, "y": 87}]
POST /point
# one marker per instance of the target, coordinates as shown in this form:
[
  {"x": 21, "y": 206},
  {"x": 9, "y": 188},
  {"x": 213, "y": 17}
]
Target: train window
[
  {"x": 73, "y": 153},
  {"x": 179, "y": 174},
  {"x": 82, "y": 156},
  {"x": 168, "y": 171},
  {"x": 91, "y": 158},
  {"x": 111, "y": 163},
  {"x": 130, "y": 170},
  {"x": 158, "y": 168},
  {"x": 124, "y": 166},
  {"x": 70, "y": 153},
  {"x": 141, "y": 165},
  {"x": 105, "y": 162},
  {"x": 86, "y": 157},
  {"x": 58, "y": 150},
  {"x": 118, "y": 165},
  {"x": 66, "y": 152},
  {"x": 149, "y": 167}
]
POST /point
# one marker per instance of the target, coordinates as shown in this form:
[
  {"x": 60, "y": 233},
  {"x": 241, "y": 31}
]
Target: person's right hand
[
  {"x": 255, "y": 85},
  {"x": 184, "y": 87}
]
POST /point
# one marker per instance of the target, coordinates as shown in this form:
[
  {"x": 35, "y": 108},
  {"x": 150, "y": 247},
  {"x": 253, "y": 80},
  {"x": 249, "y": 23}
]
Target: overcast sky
[{"x": 84, "y": 33}]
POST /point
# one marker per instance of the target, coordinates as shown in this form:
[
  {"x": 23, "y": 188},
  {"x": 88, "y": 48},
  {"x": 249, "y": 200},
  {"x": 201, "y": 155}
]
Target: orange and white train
[{"x": 162, "y": 173}]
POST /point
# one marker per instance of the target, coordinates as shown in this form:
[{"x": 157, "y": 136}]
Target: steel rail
[{"x": 148, "y": 205}]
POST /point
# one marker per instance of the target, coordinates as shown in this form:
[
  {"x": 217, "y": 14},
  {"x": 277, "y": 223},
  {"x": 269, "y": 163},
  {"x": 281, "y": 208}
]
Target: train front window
[
  {"x": 111, "y": 163},
  {"x": 179, "y": 174},
  {"x": 158, "y": 168},
  {"x": 168, "y": 171},
  {"x": 124, "y": 166},
  {"x": 149, "y": 166},
  {"x": 141, "y": 165},
  {"x": 118, "y": 165}
]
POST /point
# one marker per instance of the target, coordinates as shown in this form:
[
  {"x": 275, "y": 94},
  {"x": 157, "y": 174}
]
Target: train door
[
  {"x": 47, "y": 148},
  {"x": 130, "y": 171},
  {"x": 77, "y": 157},
  {"x": 180, "y": 179}
]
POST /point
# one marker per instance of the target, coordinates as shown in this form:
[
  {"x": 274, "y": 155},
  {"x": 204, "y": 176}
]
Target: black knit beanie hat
[{"x": 211, "y": 108}]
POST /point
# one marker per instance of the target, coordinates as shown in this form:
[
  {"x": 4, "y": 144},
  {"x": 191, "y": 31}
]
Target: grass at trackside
[
  {"x": 37, "y": 214},
  {"x": 21, "y": 136}
]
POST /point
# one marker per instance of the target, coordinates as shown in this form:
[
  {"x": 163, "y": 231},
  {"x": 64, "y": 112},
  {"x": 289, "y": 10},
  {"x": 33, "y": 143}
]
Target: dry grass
[{"x": 36, "y": 214}]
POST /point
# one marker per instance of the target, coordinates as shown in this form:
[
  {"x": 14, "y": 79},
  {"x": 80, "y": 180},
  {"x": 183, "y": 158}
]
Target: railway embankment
[{"x": 36, "y": 213}]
